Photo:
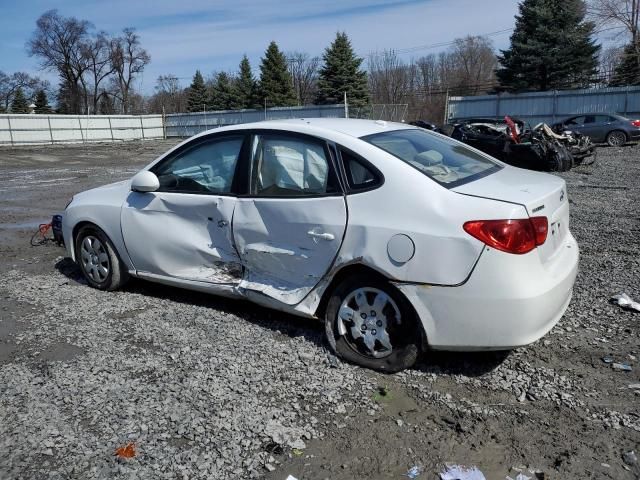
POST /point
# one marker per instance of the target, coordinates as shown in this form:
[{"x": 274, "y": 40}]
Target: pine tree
[
  {"x": 19, "y": 104},
  {"x": 551, "y": 47},
  {"x": 275, "y": 82},
  {"x": 42, "y": 103},
  {"x": 245, "y": 86},
  {"x": 628, "y": 71},
  {"x": 341, "y": 73},
  {"x": 223, "y": 94},
  {"x": 64, "y": 98},
  {"x": 197, "y": 99}
]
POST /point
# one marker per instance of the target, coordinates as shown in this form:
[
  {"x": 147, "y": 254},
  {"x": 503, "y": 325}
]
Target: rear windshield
[{"x": 447, "y": 161}]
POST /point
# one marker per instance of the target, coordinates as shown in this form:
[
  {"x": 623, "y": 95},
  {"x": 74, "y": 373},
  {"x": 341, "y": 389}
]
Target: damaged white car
[{"x": 400, "y": 239}]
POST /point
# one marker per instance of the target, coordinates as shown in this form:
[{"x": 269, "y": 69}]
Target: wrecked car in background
[
  {"x": 613, "y": 129},
  {"x": 514, "y": 142},
  {"x": 402, "y": 240}
]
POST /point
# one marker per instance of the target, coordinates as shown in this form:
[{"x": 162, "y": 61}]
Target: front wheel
[
  {"x": 99, "y": 260},
  {"x": 617, "y": 138},
  {"x": 370, "y": 323}
]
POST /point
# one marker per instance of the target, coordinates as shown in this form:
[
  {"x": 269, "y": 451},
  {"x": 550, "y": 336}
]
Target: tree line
[{"x": 552, "y": 46}]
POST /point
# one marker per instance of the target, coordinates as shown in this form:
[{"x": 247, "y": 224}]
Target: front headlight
[{"x": 68, "y": 203}]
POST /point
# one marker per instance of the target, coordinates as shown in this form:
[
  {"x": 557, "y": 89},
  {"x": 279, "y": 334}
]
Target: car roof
[{"x": 322, "y": 126}]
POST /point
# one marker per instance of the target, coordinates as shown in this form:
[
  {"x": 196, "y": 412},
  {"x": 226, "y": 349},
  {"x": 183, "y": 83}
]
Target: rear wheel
[
  {"x": 99, "y": 260},
  {"x": 616, "y": 138},
  {"x": 370, "y": 323}
]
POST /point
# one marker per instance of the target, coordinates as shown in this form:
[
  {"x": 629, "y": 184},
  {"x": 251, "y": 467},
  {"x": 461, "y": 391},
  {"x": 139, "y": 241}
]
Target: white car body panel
[
  {"x": 509, "y": 301},
  {"x": 288, "y": 244},
  {"x": 467, "y": 296},
  {"x": 181, "y": 235},
  {"x": 100, "y": 206}
]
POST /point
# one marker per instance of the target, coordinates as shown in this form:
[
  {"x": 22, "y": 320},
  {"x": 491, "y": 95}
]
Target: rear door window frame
[{"x": 245, "y": 163}]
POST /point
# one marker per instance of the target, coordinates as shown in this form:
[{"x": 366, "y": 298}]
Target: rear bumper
[
  {"x": 633, "y": 134},
  {"x": 509, "y": 301}
]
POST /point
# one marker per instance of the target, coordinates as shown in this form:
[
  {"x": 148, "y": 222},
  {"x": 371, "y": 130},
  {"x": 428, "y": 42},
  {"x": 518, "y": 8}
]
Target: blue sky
[{"x": 213, "y": 35}]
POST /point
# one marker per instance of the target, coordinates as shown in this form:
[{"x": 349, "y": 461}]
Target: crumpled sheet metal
[{"x": 625, "y": 302}]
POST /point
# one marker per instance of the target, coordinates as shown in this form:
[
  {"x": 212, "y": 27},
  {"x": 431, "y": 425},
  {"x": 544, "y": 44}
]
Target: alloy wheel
[
  {"x": 365, "y": 318},
  {"x": 94, "y": 259},
  {"x": 616, "y": 139}
]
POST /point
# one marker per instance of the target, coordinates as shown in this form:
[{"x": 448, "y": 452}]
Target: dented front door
[
  {"x": 183, "y": 230},
  {"x": 290, "y": 228},
  {"x": 181, "y": 235}
]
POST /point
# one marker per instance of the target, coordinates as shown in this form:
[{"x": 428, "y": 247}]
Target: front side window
[
  {"x": 284, "y": 165},
  {"x": 207, "y": 166},
  {"x": 447, "y": 161}
]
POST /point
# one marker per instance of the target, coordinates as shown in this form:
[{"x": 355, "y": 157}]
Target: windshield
[{"x": 447, "y": 161}]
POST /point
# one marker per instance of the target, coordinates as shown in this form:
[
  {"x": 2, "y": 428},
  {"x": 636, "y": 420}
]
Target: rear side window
[
  {"x": 575, "y": 121},
  {"x": 447, "y": 161},
  {"x": 359, "y": 175}
]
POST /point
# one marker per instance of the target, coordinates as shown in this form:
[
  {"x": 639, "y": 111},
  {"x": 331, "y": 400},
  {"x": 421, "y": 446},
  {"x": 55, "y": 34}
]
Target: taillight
[
  {"x": 636, "y": 123},
  {"x": 512, "y": 236}
]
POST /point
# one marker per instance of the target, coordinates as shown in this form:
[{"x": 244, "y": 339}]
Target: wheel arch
[
  {"x": 617, "y": 130},
  {"x": 363, "y": 269},
  {"x": 114, "y": 237}
]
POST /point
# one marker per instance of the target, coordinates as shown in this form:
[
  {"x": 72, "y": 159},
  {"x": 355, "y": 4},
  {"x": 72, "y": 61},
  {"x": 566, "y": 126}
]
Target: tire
[
  {"x": 616, "y": 138},
  {"x": 98, "y": 259},
  {"x": 387, "y": 340}
]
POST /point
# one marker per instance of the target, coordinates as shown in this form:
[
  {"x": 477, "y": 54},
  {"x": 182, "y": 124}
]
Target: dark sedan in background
[{"x": 613, "y": 129}]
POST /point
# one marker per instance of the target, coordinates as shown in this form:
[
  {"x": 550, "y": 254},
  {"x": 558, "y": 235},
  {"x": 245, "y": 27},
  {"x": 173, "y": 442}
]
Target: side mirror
[{"x": 145, "y": 181}]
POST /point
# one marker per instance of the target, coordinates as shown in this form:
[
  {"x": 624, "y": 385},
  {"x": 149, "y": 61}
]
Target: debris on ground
[
  {"x": 621, "y": 366},
  {"x": 414, "y": 471},
  {"x": 128, "y": 451},
  {"x": 625, "y": 302},
  {"x": 460, "y": 472}
]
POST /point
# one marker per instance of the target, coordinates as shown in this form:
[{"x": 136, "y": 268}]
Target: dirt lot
[{"x": 212, "y": 388}]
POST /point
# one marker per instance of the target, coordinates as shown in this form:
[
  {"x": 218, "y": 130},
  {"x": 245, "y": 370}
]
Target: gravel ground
[{"x": 210, "y": 388}]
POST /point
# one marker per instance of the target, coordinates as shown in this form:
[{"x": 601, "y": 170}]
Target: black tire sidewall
[
  {"x": 403, "y": 356},
  {"x": 114, "y": 261},
  {"x": 616, "y": 132}
]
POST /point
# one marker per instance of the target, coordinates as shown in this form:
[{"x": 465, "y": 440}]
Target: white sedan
[{"x": 400, "y": 239}]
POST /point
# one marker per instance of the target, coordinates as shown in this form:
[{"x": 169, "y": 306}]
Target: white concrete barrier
[{"x": 24, "y": 129}]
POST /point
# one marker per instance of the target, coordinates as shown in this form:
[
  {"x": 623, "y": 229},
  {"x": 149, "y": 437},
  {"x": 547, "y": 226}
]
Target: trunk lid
[{"x": 542, "y": 194}]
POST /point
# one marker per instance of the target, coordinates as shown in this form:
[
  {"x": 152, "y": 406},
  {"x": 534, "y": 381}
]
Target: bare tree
[
  {"x": 128, "y": 59},
  {"x": 168, "y": 95},
  {"x": 621, "y": 16},
  {"x": 389, "y": 78},
  {"x": 474, "y": 65},
  {"x": 610, "y": 59},
  {"x": 98, "y": 54},
  {"x": 304, "y": 72},
  {"x": 59, "y": 43}
]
